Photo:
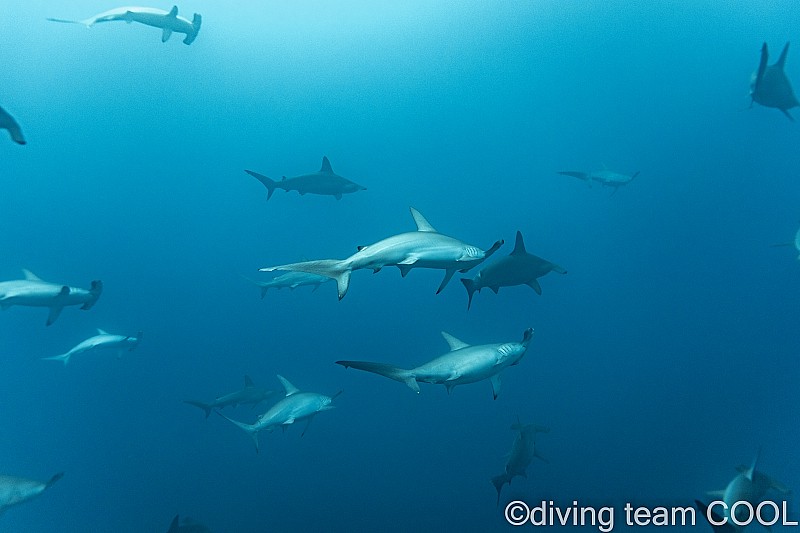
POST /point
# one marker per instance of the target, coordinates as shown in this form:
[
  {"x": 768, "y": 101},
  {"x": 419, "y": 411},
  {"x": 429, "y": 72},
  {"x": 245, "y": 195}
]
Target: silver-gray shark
[
  {"x": 769, "y": 85},
  {"x": 518, "y": 268},
  {"x": 249, "y": 394},
  {"x": 188, "y": 526},
  {"x": 294, "y": 406},
  {"x": 749, "y": 485},
  {"x": 423, "y": 248},
  {"x": 167, "y": 21},
  {"x": 606, "y": 178},
  {"x": 7, "y": 122},
  {"x": 15, "y": 490},
  {"x": 522, "y": 453},
  {"x": 292, "y": 280},
  {"x": 462, "y": 364},
  {"x": 325, "y": 182},
  {"x": 795, "y": 243},
  {"x": 101, "y": 341},
  {"x": 33, "y": 292}
]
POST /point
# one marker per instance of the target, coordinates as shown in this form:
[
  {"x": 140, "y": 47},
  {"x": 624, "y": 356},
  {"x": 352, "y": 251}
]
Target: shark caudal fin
[
  {"x": 64, "y": 357},
  {"x": 53, "y": 479},
  {"x": 499, "y": 481},
  {"x": 88, "y": 22},
  {"x": 247, "y": 428},
  {"x": 270, "y": 184},
  {"x": 389, "y": 371},
  {"x": 196, "y": 22},
  {"x": 204, "y": 406},
  {"x": 330, "y": 268},
  {"x": 471, "y": 287}
]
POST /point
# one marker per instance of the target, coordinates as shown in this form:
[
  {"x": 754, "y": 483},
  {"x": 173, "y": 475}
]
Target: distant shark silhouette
[
  {"x": 606, "y": 178},
  {"x": 423, "y": 248},
  {"x": 795, "y": 243},
  {"x": 168, "y": 21},
  {"x": 324, "y": 182},
  {"x": 15, "y": 490},
  {"x": 522, "y": 453},
  {"x": 7, "y": 122},
  {"x": 462, "y": 364},
  {"x": 249, "y": 394},
  {"x": 34, "y": 292},
  {"x": 101, "y": 341},
  {"x": 188, "y": 526},
  {"x": 518, "y": 268},
  {"x": 769, "y": 85},
  {"x": 290, "y": 280}
]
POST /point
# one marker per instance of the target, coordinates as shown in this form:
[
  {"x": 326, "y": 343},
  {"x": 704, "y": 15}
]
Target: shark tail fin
[
  {"x": 53, "y": 479},
  {"x": 389, "y": 371},
  {"x": 247, "y": 428},
  {"x": 330, "y": 268},
  {"x": 499, "y": 481},
  {"x": 204, "y": 406},
  {"x": 95, "y": 291},
  {"x": 88, "y": 22},
  {"x": 471, "y": 289},
  {"x": 782, "y": 59},
  {"x": 63, "y": 357},
  {"x": 197, "y": 20},
  {"x": 269, "y": 183}
]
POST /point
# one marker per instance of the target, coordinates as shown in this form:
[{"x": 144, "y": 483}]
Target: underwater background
[{"x": 664, "y": 358}]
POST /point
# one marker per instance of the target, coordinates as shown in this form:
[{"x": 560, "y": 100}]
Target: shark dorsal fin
[
  {"x": 173, "y": 527},
  {"x": 326, "y": 165},
  {"x": 519, "y": 245},
  {"x": 173, "y": 12},
  {"x": 248, "y": 382},
  {"x": 749, "y": 472},
  {"x": 782, "y": 60},
  {"x": 422, "y": 224},
  {"x": 30, "y": 276},
  {"x": 288, "y": 387},
  {"x": 101, "y": 332},
  {"x": 455, "y": 344},
  {"x": 762, "y": 66}
]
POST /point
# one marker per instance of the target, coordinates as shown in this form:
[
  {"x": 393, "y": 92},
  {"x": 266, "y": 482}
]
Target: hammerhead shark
[
  {"x": 522, "y": 453},
  {"x": 34, "y": 292},
  {"x": 518, "y": 268},
  {"x": 769, "y": 85},
  {"x": 7, "y": 122},
  {"x": 168, "y": 21},
  {"x": 188, "y": 526},
  {"x": 423, "y": 248},
  {"x": 606, "y": 178},
  {"x": 325, "y": 182},
  {"x": 290, "y": 280},
  {"x": 295, "y": 406},
  {"x": 101, "y": 341},
  {"x": 249, "y": 394},
  {"x": 15, "y": 490},
  {"x": 462, "y": 364}
]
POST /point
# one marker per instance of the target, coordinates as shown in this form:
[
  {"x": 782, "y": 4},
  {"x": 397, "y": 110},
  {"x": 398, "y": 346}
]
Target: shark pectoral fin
[
  {"x": 53, "y": 315},
  {"x": 534, "y": 284},
  {"x": 495, "y": 380},
  {"x": 410, "y": 260},
  {"x": 495, "y": 288},
  {"x": 448, "y": 275},
  {"x": 786, "y": 112},
  {"x": 308, "y": 425},
  {"x": 376, "y": 270},
  {"x": 412, "y": 383},
  {"x": 782, "y": 59},
  {"x": 539, "y": 455},
  {"x": 558, "y": 269},
  {"x": 166, "y": 34}
]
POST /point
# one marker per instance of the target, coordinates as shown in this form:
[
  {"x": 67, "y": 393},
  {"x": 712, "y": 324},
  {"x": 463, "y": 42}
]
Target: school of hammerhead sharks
[{"x": 423, "y": 247}]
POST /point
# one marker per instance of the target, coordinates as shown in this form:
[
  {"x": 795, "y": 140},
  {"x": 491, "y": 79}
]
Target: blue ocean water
[{"x": 663, "y": 359}]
